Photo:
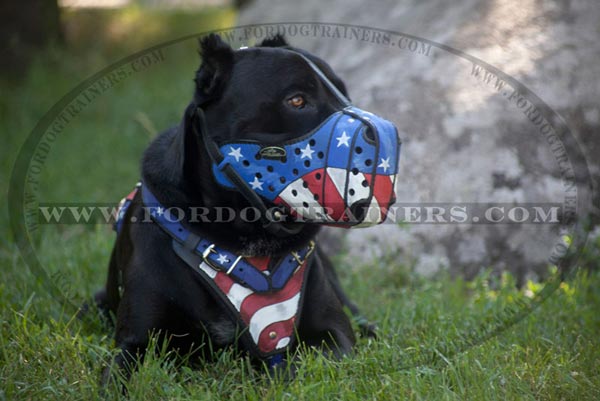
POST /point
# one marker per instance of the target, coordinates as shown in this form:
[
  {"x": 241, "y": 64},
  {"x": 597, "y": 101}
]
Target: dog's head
[{"x": 285, "y": 133}]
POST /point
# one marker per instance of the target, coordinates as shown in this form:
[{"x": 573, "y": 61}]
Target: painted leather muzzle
[{"x": 341, "y": 173}]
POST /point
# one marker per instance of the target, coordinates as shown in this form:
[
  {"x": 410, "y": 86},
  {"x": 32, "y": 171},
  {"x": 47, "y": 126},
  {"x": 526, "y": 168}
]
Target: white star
[
  {"x": 307, "y": 152},
  {"x": 256, "y": 184},
  {"x": 159, "y": 211},
  {"x": 385, "y": 164},
  {"x": 237, "y": 153},
  {"x": 343, "y": 140},
  {"x": 222, "y": 259}
]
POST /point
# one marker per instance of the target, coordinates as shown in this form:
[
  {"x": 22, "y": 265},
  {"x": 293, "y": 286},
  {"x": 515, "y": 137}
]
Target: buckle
[
  {"x": 311, "y": 248},
  {"x": 210, "y": 249},
  {"x": 207, "y": 252}
]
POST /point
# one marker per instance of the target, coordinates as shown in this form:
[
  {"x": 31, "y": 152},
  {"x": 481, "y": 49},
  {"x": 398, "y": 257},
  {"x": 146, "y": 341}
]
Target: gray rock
[{"x": 463, "y": 139}]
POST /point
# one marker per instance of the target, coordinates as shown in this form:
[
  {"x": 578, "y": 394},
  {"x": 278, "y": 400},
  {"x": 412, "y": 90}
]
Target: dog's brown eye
[{"x": 297, "y": 101}]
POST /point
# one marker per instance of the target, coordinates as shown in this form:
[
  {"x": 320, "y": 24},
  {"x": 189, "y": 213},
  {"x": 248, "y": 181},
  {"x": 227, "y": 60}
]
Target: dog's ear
[
  {"x": 217, "y": 63},
  {"x": 275, "y": 41}
]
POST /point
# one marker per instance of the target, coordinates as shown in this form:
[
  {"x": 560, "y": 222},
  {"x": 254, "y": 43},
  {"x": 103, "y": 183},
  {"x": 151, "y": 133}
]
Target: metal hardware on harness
[
  {"x": 228, "y": 272},
  {"x": 311, "y": 247},
  {"x": 207, "y": 252}
]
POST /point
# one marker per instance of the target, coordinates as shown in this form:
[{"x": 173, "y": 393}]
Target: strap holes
[
  {"x": 271, "y": 188},
  {"x": 351, "y": 192},
  {"x": 355, "y": 171},
  {"x": 270, "y": 169},
  {"x": 312, "y": 142},
  {"x": 307, "y": 163},
  {"x": 258, "y": 175},
  {"x": 295, "y": 171},
  {"x": 368, "y": 162},
  {"x": 320, "y": 155},
  {"x": 316, "y": 197},
  {"x": 318, "y": 176},
  {"x": 305, "y": 204},
  {"x": 282, "y": 180},
  {"x": 365, "y": 183},
  {"x": 297, "y": 151},
  {"x": 294, "y": 192},
  {"x": 305, "y": 184},
  {"x": 246, "y": 163},
  {"x": 358, "y": 150}
]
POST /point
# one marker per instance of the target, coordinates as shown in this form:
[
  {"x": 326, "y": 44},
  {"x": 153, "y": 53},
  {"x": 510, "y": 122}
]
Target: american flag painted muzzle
[{"x": 341, "y": 173}]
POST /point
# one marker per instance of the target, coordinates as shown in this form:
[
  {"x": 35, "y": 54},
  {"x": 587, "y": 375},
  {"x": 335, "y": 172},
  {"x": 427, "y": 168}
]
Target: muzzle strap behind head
[{"x": 334, "y": 90}]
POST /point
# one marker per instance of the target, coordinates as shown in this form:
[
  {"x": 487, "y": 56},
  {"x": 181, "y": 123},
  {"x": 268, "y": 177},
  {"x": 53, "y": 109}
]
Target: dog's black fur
[{"x": 242, "y": 93}]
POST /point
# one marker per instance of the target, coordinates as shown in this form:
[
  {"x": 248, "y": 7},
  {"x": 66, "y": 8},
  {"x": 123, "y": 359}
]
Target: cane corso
[{"x": 217, "y": 245}]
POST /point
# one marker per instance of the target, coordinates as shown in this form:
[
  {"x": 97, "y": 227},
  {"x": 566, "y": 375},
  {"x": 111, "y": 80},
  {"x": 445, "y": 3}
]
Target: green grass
[{"x": 425, "y": 348}]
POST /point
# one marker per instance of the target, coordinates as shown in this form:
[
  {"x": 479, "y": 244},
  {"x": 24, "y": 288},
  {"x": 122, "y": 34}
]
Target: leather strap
[{"x": 219, "y": 259}]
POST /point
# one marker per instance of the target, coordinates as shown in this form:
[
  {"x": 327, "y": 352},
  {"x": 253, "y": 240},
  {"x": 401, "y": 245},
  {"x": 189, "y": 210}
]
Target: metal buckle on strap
[
  {"x": 311, "y": 248},
  {"x": 210, "y": 249},
  {"x": 207, "y": 252}
]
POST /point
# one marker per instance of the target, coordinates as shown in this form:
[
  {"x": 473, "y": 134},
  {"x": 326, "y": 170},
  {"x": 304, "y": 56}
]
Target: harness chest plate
[{"x": 263, "y": 294}]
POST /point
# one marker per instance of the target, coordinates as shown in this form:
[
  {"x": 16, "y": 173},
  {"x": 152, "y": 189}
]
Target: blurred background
[{"x": 462, "y": 142}]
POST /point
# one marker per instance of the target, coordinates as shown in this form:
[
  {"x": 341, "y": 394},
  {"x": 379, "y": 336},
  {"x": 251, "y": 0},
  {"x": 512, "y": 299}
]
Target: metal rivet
[
  {"x": 277, "y": 214},
  {"x": 272, "y": 335}
]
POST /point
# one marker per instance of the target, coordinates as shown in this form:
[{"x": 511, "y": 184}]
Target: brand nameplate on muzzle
[{"x": 272, "y": 152}]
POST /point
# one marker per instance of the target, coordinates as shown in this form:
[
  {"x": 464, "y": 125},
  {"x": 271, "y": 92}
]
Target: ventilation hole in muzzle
[
  {"x": 307, "y": 163},
  {"x": 305, "y": 184},
  {"x": 316, "y": 197},
  {"x": 297, "y": 151},
  {"x": 258, "y": 175},
  {"x": 318, "y": 176},
  {"x": 365, "y": 183},
  {"x": 320, "y": 155},
  {"x": 305, "y": 204},
  {"x": 295, "y": 171},
  {"x": 351, "y": 192},
  {"x": 257, "y": 156},
  {"x": 355, "y": 171},
  {"x": 294, "y": 192},
  {"x": 368, "y": 162},
  {"x": 358, "y": 150},
  {"x": 246, "y": 163},
  {"x": 270, "y": 169},
  {"x": 359, "y": 210},
  {"x": 271, "y": 188},
  {"x": 312, "y": 142},
  {"x": 282, "y": 180}
]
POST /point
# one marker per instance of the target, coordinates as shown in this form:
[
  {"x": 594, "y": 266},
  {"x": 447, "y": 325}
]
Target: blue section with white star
[{"x": 341, "y": 142}]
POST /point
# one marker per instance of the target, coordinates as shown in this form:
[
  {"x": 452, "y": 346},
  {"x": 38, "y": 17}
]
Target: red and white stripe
[
  {"x": 330, "y": 188},
  {"x": 269, "y": 317}
]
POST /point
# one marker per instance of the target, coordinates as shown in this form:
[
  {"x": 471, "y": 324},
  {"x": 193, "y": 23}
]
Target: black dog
[{"x": 152, "y": 283}]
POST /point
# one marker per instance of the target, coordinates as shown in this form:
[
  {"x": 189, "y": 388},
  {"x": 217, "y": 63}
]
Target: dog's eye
[{"x": 297, "y": 101}]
